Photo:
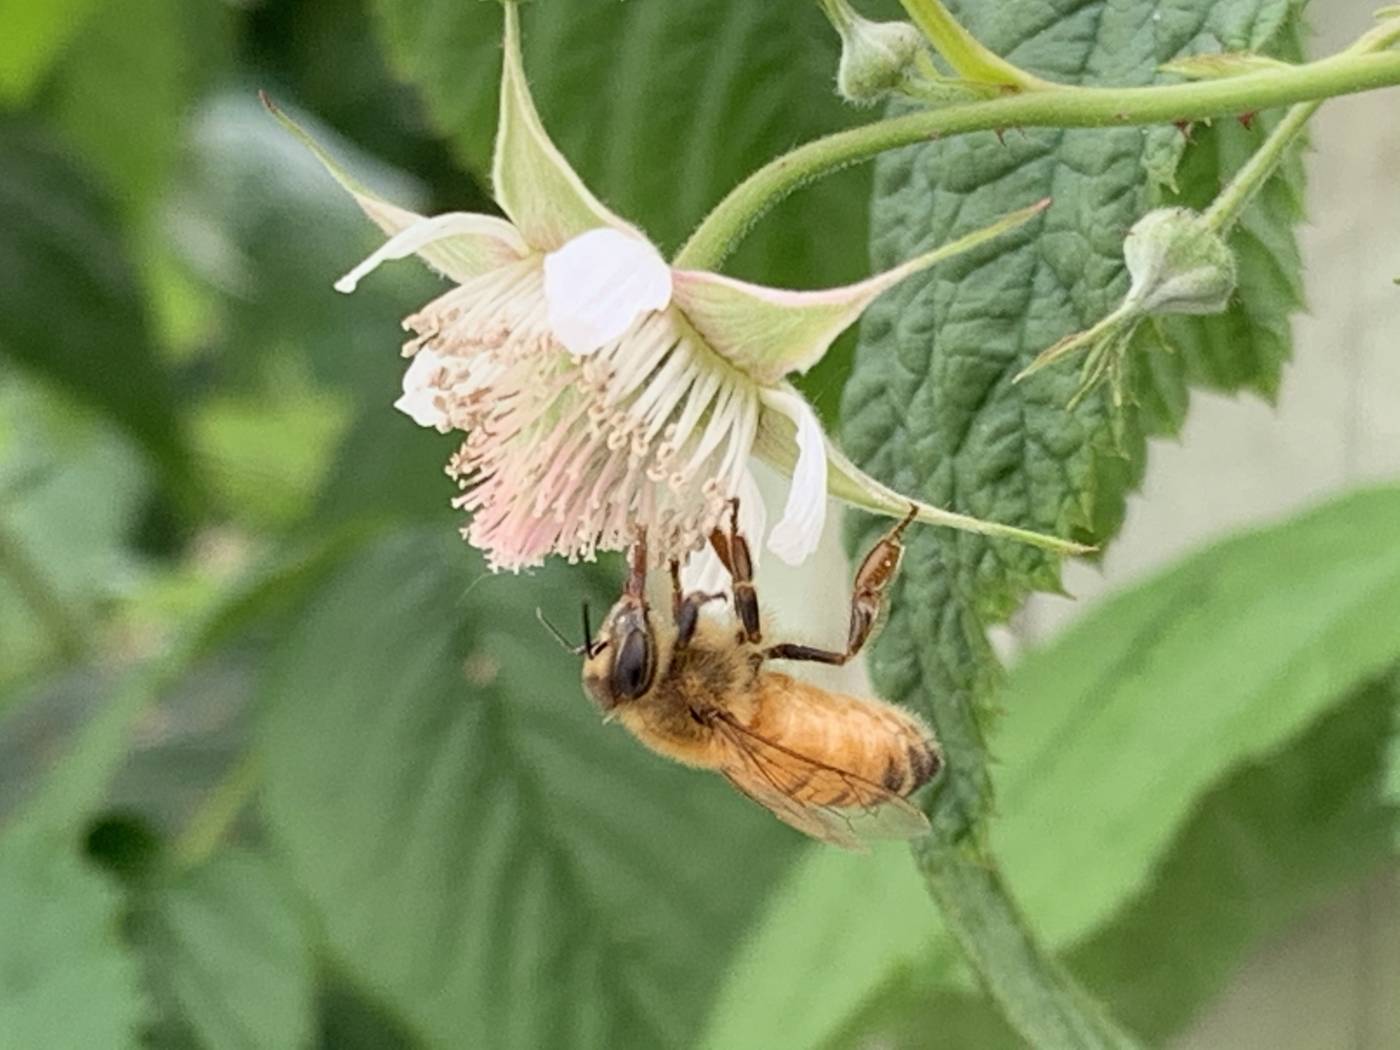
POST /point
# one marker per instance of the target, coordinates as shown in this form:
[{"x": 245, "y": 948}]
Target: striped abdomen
[{"x": 829, "y": 749}]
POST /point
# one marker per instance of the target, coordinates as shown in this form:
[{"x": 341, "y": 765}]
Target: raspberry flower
[{"x": 598, "y": 388}]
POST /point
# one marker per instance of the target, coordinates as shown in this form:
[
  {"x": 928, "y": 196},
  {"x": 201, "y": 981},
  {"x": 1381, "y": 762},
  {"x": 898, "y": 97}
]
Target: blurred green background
[{"x": 282, "y": 766}]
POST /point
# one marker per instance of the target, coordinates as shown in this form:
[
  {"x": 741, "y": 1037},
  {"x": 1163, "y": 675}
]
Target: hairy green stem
[
  {"x": 1225, "y": 210},
  {"x": 964, "y": 52},
  {"x": 1035, "y": 993},
  {"x": 839, "y": 14},
  {"x": 1232, "y": 200},
  {"x": 1065, "y": 107}
]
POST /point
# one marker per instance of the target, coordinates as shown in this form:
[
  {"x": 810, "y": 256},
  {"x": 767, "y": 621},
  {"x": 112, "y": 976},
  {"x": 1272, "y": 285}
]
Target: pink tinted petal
[{"x": 421, "y": 398}]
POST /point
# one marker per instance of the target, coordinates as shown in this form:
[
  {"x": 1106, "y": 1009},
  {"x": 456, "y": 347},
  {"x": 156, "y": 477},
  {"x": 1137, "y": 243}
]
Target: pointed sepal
[
  {"x": 777, "y": 444},
  {"x": 769, "y": 333},
  {"x": 460, "y": 246},
  {"x": 533, "y": 182}
]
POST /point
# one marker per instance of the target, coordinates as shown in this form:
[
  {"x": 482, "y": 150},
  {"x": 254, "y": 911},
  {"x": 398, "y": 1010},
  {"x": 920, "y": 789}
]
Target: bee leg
[
  {"x": 685, "y": 608},
  {"x": 636, "y": 585},
  {"x": 733, "y": 552},
  {"x": 868, "y": 595}
]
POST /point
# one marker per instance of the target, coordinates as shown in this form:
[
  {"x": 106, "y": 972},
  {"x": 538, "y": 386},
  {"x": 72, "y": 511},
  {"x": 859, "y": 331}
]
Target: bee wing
[{"x": 769, "y": 773}]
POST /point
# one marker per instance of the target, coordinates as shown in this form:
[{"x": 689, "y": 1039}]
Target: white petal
[
  {"x": 796, "y": 536},
  {"x": 482, "y": 240},
  {"x": 703, "y": 571},
  {"x": 597, "y": 284},
  {"x": 419, "y": 394}
]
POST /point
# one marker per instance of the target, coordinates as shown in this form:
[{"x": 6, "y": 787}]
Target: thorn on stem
[
  {"x": 1183, "y": 126},
  {"x": 1247, "y": 120}
]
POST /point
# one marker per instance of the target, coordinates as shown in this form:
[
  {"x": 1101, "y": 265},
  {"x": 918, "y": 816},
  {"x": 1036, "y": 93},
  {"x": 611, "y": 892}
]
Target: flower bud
[
  {"x": 877, "y": 58},
  {"x": 1178, "y": 265}
]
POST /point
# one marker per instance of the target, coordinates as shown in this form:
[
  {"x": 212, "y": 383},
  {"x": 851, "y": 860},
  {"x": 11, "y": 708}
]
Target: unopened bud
[
  {"x": 877, "y": 58},
  {"x": 1178, "y": 265}
]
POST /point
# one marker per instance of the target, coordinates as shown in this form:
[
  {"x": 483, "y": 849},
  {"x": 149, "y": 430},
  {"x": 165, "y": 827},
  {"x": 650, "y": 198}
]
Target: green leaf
[
  {"x": 291, "y": 343},
  {"x": 34, "y": 37},
  {"x": 226, "y": 951},
  {"x": 1113, "y": 735},
  {"x": 931, "y": 408},
  {"x": 350, "y": 1021},
  {"x": 67, "y": 769},
  {"x": 65, "y": 979},
  {"x": 70, "y": 308},
  {"x": 1157, "y": 694},
  {"x": 661, "y": 108},
  {"x": 126, "y": 82},
  {"x": 71, "y": 489},
  {"x": 463, "y": 823},
  {"x": 838, "y": 924},
  {"x": 1277, "y": 839}
]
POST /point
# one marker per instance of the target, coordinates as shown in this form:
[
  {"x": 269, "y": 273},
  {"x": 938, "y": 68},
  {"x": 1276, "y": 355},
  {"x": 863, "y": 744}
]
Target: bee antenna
[
  {"x": 587, "y": 631},
  {"x": 577, "y": 650}
]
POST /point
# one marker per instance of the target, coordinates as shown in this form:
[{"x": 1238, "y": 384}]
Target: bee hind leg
[
  {"x": 867, "y": 597},
  {"x": 733, "y": 552}
]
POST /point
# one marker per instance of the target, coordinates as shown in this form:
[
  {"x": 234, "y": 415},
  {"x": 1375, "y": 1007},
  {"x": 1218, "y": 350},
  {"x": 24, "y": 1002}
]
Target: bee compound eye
[{"x": 634, "y": 665}]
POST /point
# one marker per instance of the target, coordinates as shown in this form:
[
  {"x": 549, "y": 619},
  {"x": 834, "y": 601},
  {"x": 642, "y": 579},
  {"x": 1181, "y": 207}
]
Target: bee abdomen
[
  {"x": 924, "y": 763},
  {"x": 904, "y": 774}
]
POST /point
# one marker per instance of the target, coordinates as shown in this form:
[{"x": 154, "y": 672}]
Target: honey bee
[{"x": 698, "y": 690}]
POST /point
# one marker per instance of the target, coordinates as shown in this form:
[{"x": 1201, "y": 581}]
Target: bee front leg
[
  {"x": 733, "y": 552},
  {"x": 868, "y": 595},
  {"x": 636, "y": 585},
  {"x": 685, "y": 608}
]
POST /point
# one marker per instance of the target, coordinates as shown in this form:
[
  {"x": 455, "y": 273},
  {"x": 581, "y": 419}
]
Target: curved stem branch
[
  {"x": 1063, "y": 107},
  {"x": 1233, "y": 199},
  {"x": 964, "y": 52}
]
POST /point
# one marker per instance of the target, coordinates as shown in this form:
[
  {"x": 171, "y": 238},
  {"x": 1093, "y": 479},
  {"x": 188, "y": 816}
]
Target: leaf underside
[{"x": 931, "y": 409}]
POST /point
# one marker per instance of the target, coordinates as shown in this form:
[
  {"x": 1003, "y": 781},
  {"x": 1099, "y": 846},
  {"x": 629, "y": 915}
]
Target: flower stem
[
  {"x": 1232, "y": 200},
  {"x": 1035, "y": 993},
  {"x": 964, "y": 52},
  {"x": 1055, "y": 106},
  {"x": 838, "y": 13}
]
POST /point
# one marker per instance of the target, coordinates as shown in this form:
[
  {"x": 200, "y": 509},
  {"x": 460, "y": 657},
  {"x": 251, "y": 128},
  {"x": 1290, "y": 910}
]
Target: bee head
[{"x": 619, "y": 662}]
